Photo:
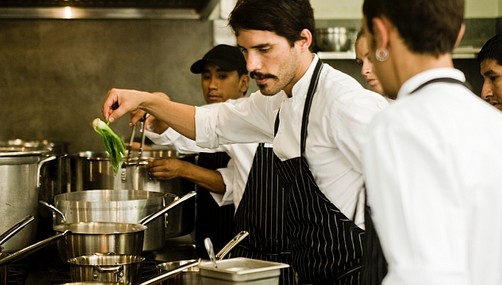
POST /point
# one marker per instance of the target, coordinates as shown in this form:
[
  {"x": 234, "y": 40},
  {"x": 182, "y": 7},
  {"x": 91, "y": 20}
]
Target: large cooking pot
[
  {"x": 87, "y": 238},
  {"x": 123, "y": 206},
  {"x": 104, "y": 237},
  {"x": 19, "y": 181},
  {"x": 93, "y": 170}
]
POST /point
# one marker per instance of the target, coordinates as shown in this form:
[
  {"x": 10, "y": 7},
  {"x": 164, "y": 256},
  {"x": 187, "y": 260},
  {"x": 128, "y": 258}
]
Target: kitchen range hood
[{"x": 107, "y": 9}]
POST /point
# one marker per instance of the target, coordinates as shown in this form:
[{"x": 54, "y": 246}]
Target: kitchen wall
[{"x": 54, "y": 74}]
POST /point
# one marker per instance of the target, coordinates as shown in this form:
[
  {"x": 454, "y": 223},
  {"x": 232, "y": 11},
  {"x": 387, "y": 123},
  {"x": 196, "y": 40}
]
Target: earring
[{"x": 382, "y": 54}]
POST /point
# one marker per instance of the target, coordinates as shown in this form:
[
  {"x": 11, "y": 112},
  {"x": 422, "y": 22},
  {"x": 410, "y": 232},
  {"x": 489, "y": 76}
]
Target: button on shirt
[
  {"x": 431, "y": 167},
  {"x": 341, "y": 111}
]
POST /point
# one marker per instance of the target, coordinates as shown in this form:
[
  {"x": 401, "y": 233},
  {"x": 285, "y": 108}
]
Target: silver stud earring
[{"x": 382, "y": 54}]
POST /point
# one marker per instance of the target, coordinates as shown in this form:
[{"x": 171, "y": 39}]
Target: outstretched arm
[{"x": 119, "y": 102}]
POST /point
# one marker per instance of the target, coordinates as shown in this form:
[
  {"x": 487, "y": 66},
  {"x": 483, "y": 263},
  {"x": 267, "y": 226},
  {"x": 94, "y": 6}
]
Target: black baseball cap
[{"x": 224, "y": 56}]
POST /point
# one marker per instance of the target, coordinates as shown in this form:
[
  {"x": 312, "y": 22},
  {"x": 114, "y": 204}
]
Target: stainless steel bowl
[{"x": 334, "y": 38}]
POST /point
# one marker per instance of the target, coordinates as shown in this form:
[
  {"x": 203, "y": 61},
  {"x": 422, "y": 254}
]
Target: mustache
[{"x": 259, "y": 75}]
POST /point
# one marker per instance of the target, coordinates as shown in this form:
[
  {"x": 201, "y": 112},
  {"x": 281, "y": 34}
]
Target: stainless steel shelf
[{"x": 460, "y": 53}]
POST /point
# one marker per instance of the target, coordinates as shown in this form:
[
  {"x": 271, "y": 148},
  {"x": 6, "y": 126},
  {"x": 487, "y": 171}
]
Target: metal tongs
[{"x": 131, "y": 141}]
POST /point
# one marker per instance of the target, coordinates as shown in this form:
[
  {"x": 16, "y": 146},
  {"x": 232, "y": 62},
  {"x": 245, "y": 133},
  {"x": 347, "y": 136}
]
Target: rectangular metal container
[{"x": 241, "y": 271}]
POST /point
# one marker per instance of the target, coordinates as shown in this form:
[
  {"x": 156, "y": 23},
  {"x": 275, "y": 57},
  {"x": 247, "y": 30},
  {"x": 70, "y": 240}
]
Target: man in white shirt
[
  {"x": 435, "y": 207},
  {"x": 315, "y": 116},
  {"x": 224, "y": 79}
]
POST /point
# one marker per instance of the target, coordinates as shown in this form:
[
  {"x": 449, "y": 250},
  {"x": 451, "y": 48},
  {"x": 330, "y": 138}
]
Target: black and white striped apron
[
  {"x": 212, "y": 220},
  {"x": 374, "y": 263},
  {"x": 326, "y": 245},
  {"x": 261, "y": 213}
]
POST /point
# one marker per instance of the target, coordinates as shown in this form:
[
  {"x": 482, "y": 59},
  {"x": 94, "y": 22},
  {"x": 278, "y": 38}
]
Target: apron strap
[{"x": 308, "y": 104}]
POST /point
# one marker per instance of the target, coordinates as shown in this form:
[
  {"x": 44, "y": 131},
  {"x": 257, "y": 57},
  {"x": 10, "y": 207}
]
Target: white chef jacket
[
  {"x": 430, "y": 165},
  {"x": 341, "y": 110},
  {"x": 235, "y": 175}
]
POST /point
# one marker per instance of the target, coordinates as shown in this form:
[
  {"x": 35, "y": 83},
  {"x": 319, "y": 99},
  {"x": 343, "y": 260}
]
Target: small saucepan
[{"x": 153, "y": 280}]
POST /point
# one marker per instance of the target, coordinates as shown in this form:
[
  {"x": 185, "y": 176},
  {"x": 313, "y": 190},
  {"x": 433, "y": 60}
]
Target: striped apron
[
  {"x": 212, "y": 220},
  {"x": 261, "y": 213},
  {"x": 374, "y": 263},
  {"x": 326, "y": 246}
]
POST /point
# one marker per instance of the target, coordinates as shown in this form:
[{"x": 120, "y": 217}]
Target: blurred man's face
[
  {"x": 220, "y": 85},
  {"x": 491, "y": 72}
]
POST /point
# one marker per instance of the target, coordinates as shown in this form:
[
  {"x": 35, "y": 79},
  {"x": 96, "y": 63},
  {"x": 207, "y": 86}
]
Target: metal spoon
[{"x": 210, "y": 251}]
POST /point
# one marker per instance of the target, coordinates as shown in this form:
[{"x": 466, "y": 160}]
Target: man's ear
[
  {"x": 244, "y": 83},
  {"x": 381, "y": 33},
  {"x": 460, "y": 35},
  {"x": 306, "y": 39}
]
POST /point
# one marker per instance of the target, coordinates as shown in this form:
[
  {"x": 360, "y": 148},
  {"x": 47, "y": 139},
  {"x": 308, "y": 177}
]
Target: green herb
[{"x": 114, "y": 145}]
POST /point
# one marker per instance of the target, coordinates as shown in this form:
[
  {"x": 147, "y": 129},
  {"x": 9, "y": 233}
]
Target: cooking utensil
[
  {"x": 106, "y": 268},
  {"x": 334, "y": 38},
  {"x": 106, "y": 205},
  {"x": 231, "y": 244},
  {"x": 191, "y": 276},
  {"x": 101, "y": 237},
  {"x": 30, "y": 249},
  {"x": 210, "y": 250},
  {"x": 19, "y": 184},
  {"x": 93, "y": 170},
  {"x": 16, "y": 228},
  {"x": 241, "y": 271},
  {"x": 150, "y": 281}
]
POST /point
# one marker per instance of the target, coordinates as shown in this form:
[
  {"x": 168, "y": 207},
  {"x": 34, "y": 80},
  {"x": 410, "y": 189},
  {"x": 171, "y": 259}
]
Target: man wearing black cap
[
  {"x": 249, "y": 181},
  {"x": 223, "y": 77}
]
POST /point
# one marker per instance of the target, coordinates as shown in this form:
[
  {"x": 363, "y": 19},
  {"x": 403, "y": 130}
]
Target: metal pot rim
[{"x": 100, "y": 228}]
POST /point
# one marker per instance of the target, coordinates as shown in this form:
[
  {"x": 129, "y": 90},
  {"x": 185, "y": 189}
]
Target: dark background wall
[{"x": 54, "y": 74}]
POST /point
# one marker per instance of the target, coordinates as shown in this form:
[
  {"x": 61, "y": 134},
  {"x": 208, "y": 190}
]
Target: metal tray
[{"x": 235, "y": 270}]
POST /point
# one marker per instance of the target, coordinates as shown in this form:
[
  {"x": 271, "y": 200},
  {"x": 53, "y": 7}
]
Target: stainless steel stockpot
[
  {"x": 19, "y": 184},
  {"x": 124, "y": 269},
  {"x": 89, "y": 170},
  {"x": 122, "y": 206},
  {"x": 100, "y": 237}
]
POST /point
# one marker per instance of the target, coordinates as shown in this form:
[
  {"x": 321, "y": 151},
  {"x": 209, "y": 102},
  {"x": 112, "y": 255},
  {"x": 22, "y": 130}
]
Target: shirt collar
[
  {"x": 419, "y": 79},
  {"x": 300, "y": 88}
]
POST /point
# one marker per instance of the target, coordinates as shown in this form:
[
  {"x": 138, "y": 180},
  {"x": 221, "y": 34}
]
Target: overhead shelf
[{"x": 458, "y": 53}]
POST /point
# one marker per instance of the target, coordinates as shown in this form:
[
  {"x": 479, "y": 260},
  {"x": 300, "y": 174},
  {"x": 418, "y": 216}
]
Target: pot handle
[
  {"x": 109, "y": 269},
  {"x": 166, "y": 275},
  {"x": 39, "y": 167},
  {"x": 30, "y": 249},
  {"x": 173, "y": 204},
  {"x": 231, "y": 244},
  {"x": 54, "y": 211},
  {"x": 16, "y": 228}
]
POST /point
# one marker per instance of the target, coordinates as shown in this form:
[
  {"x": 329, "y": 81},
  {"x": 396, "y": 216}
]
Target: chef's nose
[
  {"x": 486, "y": 90},
  {"x": 253, "y": 62},
  {"x": 365, "y": 68}
]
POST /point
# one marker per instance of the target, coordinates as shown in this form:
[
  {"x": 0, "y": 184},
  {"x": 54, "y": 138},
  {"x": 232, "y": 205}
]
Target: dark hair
[
  {"x": 492, "y": 49},
  {"x": 426, "y": 26},
  {"x": 286, "y": 18}
]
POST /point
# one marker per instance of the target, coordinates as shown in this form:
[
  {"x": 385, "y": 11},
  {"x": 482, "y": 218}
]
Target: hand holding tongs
[{"x": 131, "y": 141}]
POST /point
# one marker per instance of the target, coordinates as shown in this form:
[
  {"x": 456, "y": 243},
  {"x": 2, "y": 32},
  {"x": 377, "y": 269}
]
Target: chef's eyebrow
[{"x": 489, "y": 72}]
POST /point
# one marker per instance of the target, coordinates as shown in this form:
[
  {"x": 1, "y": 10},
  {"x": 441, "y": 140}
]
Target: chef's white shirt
[
  {"x": 431, "y": 167},
  {"x": 235, "y": 175},
  {"x": 341, "y": 110}
]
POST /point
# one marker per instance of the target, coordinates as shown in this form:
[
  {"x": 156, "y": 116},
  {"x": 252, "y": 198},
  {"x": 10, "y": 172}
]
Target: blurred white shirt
[{"x": 431, "y": 167}]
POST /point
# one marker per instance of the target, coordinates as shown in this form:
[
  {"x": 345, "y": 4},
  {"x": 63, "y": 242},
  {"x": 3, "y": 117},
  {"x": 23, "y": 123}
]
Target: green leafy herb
[{"x": 114, "y": 145}]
